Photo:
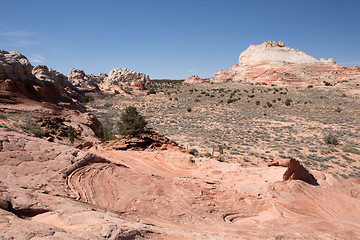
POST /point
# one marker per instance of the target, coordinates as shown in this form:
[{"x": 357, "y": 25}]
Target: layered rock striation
[{"x": 274, "y": 62}]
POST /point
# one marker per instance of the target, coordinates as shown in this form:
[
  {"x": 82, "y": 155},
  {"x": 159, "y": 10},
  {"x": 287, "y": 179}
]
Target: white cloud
[{"x": 36, "y": 58}]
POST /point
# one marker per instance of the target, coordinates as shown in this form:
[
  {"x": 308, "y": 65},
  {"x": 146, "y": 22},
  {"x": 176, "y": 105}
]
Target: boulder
[{"x": 82, "y": 81}]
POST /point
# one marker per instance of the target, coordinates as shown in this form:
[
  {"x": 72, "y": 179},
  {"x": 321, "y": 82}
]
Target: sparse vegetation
[
  {"x": 288, "y": 102},
  {"x": 194, "y": 151},
  {"x": 71, "y": 134},
  {"x": 131, "y": 122},
  {"x": 330, "y": 138}
]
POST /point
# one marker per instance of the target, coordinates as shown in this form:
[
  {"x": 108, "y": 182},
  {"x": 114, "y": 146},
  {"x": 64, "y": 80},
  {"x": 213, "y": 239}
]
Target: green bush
[
  {"x": 230, "y": 100},
  {"x": 189, "y": 109},
  {"x": 87, "y": 99},
  {"x": 107, "y": 134},
  {"x": 331, "y": 139},
  {"x": 327, "y": 83},
  {"x": 152, "y": 91},
  {"x": 257, "y": 102},
  {"x": 131, "y": 122},
  {"x": 71, "y": 134},
  {"x": 221, "y": 149},
  {"x": 350, "y": 149},
  {"x": 194, "y": 152},
  {"x": 268, "y": 104},
  {"x": 288, "y": 102}
]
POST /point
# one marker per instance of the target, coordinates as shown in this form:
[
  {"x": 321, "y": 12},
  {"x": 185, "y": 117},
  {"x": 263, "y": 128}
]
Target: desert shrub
[
  {"x": 274, "y": 100},
  {"x": 197, "y": 100},
  {"x": 331, "y": 139},
  {"x": 288, "y": 102},
  {"x": 152, "y": 91},
  {"x": 268, "y": 104},
  {"x": 221, "y": 149},
  {"x": 350, "y": 149},
  {"x": 71, "y": 134},
  {"x": 131, "y": 122},
  {"x": 189, "y": 109},
  {"x": 87, "y": 99},
  {"x": 310, "y": 86},
  {"x": 107, "y": 134},
  {"x": 230, "y": 100},
  {"x": 33, "y": 129},
  {"x": 327, "y": 83},
  {"x": 257, "y": 102},
  {"x": 194, "y": 152}
]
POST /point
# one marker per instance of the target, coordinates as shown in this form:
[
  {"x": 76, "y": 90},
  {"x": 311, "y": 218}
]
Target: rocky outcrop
[
  {"x": 85, "y": 83},
  {"x": 295, "y": 171},
  {"x": 274, "y": 62},
  {"x": 193, "y": 80},
  {"x": 54, "y": 191},
  {"x": 18, "y": 77},
  {"x": 147, "y": 141},
  {"x": 122, "y": 78}
]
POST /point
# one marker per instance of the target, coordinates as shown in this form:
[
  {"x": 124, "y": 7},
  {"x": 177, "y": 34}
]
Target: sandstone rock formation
[
  {"x": 19, "y": 78},
  {"x": 53, "y": 191},
  {"x": 47, "y": 95},
  {"x": 16, "y": 77},
  {"x": 274, "y": 62},
  {"x": 193, "y": 80},
  {"x": 295, "y": 171},
  {"x": 82, "y": 81},
  {"x": 146, "y": 141},
  {"x": 121, "y": 78}
]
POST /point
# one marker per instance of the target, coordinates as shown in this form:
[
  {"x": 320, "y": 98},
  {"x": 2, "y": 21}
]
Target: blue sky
[{"x": 174, "y": 39}]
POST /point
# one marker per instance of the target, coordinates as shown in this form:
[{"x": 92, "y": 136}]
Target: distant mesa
[
  {"x": 193, "y": 80},
  {"x": 122, "y": 79},
  {"x": 274, "y": 62}
]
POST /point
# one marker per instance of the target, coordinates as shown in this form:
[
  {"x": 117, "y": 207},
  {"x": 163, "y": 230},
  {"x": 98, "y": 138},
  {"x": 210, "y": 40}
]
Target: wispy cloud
[
  {"x": 25, "y": 43},
  {"x": 37, "y": 58},
  {"x": 13, "y": 38},
  {"x": 18, "y": 34}
]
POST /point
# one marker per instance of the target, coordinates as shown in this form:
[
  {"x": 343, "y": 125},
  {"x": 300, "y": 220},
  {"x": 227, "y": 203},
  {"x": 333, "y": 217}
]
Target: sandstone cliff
[{"x": 274, "y": 62}]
